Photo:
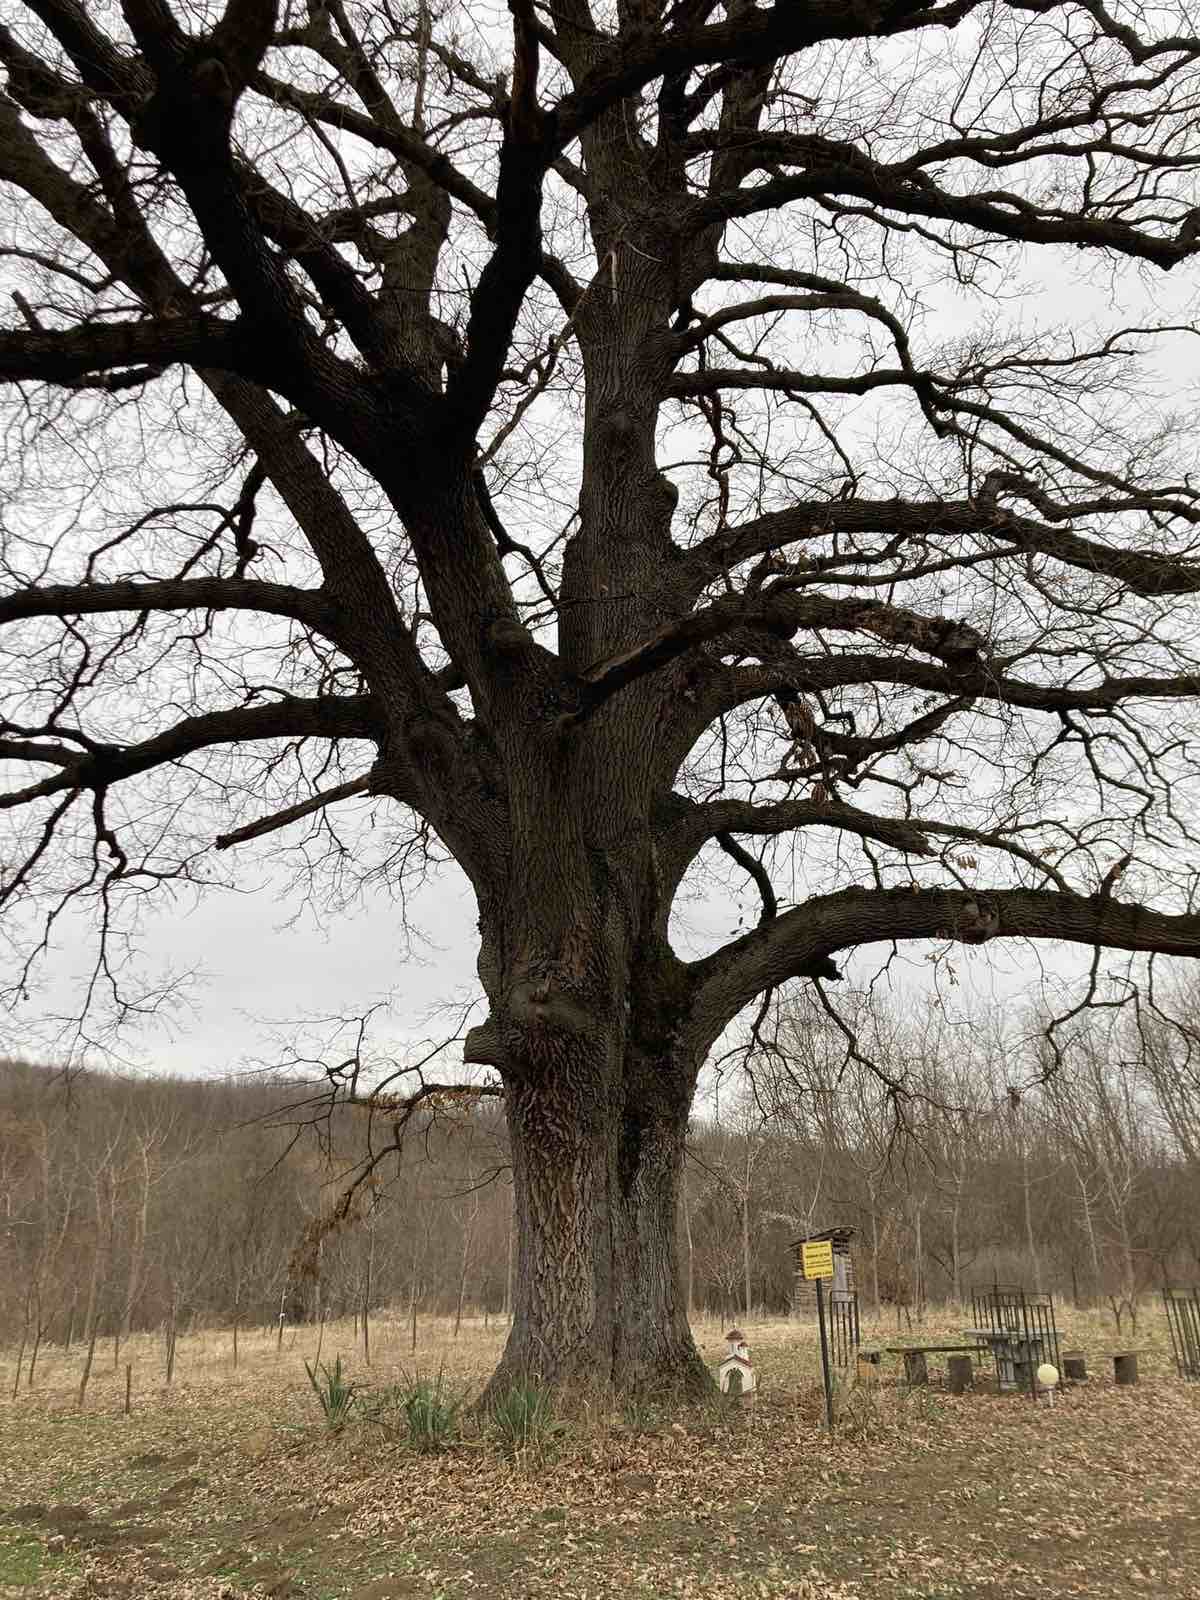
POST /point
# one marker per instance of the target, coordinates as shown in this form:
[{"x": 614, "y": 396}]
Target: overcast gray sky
[{"x": 262, "y": 971}]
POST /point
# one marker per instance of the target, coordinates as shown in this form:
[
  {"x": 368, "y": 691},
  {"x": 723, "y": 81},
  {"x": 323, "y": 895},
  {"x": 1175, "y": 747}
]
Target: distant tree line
[{"x": 1071, "y": 1164}]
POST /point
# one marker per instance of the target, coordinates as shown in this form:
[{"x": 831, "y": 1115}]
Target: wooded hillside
[{"x": 132, "y": 1203}]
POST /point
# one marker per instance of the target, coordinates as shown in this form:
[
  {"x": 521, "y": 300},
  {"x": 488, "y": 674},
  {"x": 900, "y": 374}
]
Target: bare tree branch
[
  {"x": 171, "y": 594},
  {"x": 822, "y": 926},
  {"x": 281, "y": 819},
  {"x": 98, "y": 766}
]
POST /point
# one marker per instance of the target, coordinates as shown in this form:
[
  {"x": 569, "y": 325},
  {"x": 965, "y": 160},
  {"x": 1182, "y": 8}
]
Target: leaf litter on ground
[{"x": 229, "y": 1485}]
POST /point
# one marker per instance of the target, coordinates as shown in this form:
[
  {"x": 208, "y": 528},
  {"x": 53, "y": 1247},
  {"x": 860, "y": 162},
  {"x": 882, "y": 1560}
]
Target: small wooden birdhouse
[
  {"x": 841, "y": 1286},
  {"x": 736, "y": 1374}
]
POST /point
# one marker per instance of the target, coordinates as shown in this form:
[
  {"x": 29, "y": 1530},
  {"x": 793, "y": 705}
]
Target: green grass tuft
[
  {"x": 523, "y": 1417},
  {"x": 339, "y": 1396},
  {"x": 423, "y": 1410}
]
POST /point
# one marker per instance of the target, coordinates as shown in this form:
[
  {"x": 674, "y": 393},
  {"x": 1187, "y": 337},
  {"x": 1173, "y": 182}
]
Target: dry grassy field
[{"x": 230, "y": 1484}]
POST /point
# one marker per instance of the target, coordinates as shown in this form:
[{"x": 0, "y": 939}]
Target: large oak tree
[{"x": 598, "y": 438}]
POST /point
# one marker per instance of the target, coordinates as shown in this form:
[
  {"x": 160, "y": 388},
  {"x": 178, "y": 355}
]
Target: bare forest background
[{"x": 139, "y": 1203}]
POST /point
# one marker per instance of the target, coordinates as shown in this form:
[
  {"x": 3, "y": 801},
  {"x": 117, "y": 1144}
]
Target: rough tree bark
[{"x": 597, "y": 1295}]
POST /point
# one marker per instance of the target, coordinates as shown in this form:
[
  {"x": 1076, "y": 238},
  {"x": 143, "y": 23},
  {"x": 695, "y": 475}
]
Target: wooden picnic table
[{"x": 916, "y": 1367}]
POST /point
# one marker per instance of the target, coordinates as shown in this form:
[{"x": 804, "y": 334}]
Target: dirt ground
[{"x": 229, "y": 1485}]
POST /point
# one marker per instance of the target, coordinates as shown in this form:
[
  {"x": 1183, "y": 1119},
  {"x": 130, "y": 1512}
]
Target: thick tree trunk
[
  {"x": 690, "y": 1274},
  {"x": 597, "y": 1298}
]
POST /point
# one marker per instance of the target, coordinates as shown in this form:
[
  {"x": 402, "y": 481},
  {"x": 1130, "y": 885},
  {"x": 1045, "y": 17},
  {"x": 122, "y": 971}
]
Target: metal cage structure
[
  {"x": 844, "y": 1337},
  {"x": 1182, "y": 1306},
  {"x": 1020, "y": 1330},
  {"x": 841, "y": 1300}
]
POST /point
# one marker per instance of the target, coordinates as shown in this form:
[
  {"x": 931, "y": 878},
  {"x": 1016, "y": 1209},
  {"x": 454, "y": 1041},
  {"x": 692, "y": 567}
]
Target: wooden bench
[{"x": 916, "y": 1368}]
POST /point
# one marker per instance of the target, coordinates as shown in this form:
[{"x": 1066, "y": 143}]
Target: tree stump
[
  {"x": 1074, "y": 1366},
  {"x": 959, "y": 1374},
  {"x": 916, "y": 1368},
  {"x": 1125, "y": 1367}
]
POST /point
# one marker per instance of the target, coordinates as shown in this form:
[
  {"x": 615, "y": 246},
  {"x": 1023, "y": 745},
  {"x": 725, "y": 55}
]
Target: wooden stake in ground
[
  {"x": 128, "y": 1385},
  {"x": 25, "y": 1324},
  {"x": 87, "y": 1367},
  {"x": 366, "y": 1299},
  {"x": 171, "y": 1342},
  {"x": 37, "y": 1345}
]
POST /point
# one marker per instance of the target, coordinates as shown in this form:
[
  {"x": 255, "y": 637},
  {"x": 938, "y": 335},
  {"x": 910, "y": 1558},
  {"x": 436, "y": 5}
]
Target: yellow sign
[{"x": 816, "y": 1260}]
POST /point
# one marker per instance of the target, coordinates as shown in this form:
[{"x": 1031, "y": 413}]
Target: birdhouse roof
[
  {"x": 736, "y": 1361},
  {"x": 735, "y": 1336},
  {"x": 840, "y": 1238}
]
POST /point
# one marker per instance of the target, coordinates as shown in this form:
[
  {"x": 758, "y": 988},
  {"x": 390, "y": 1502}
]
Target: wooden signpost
[{"x": 816, "y": 1262}]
